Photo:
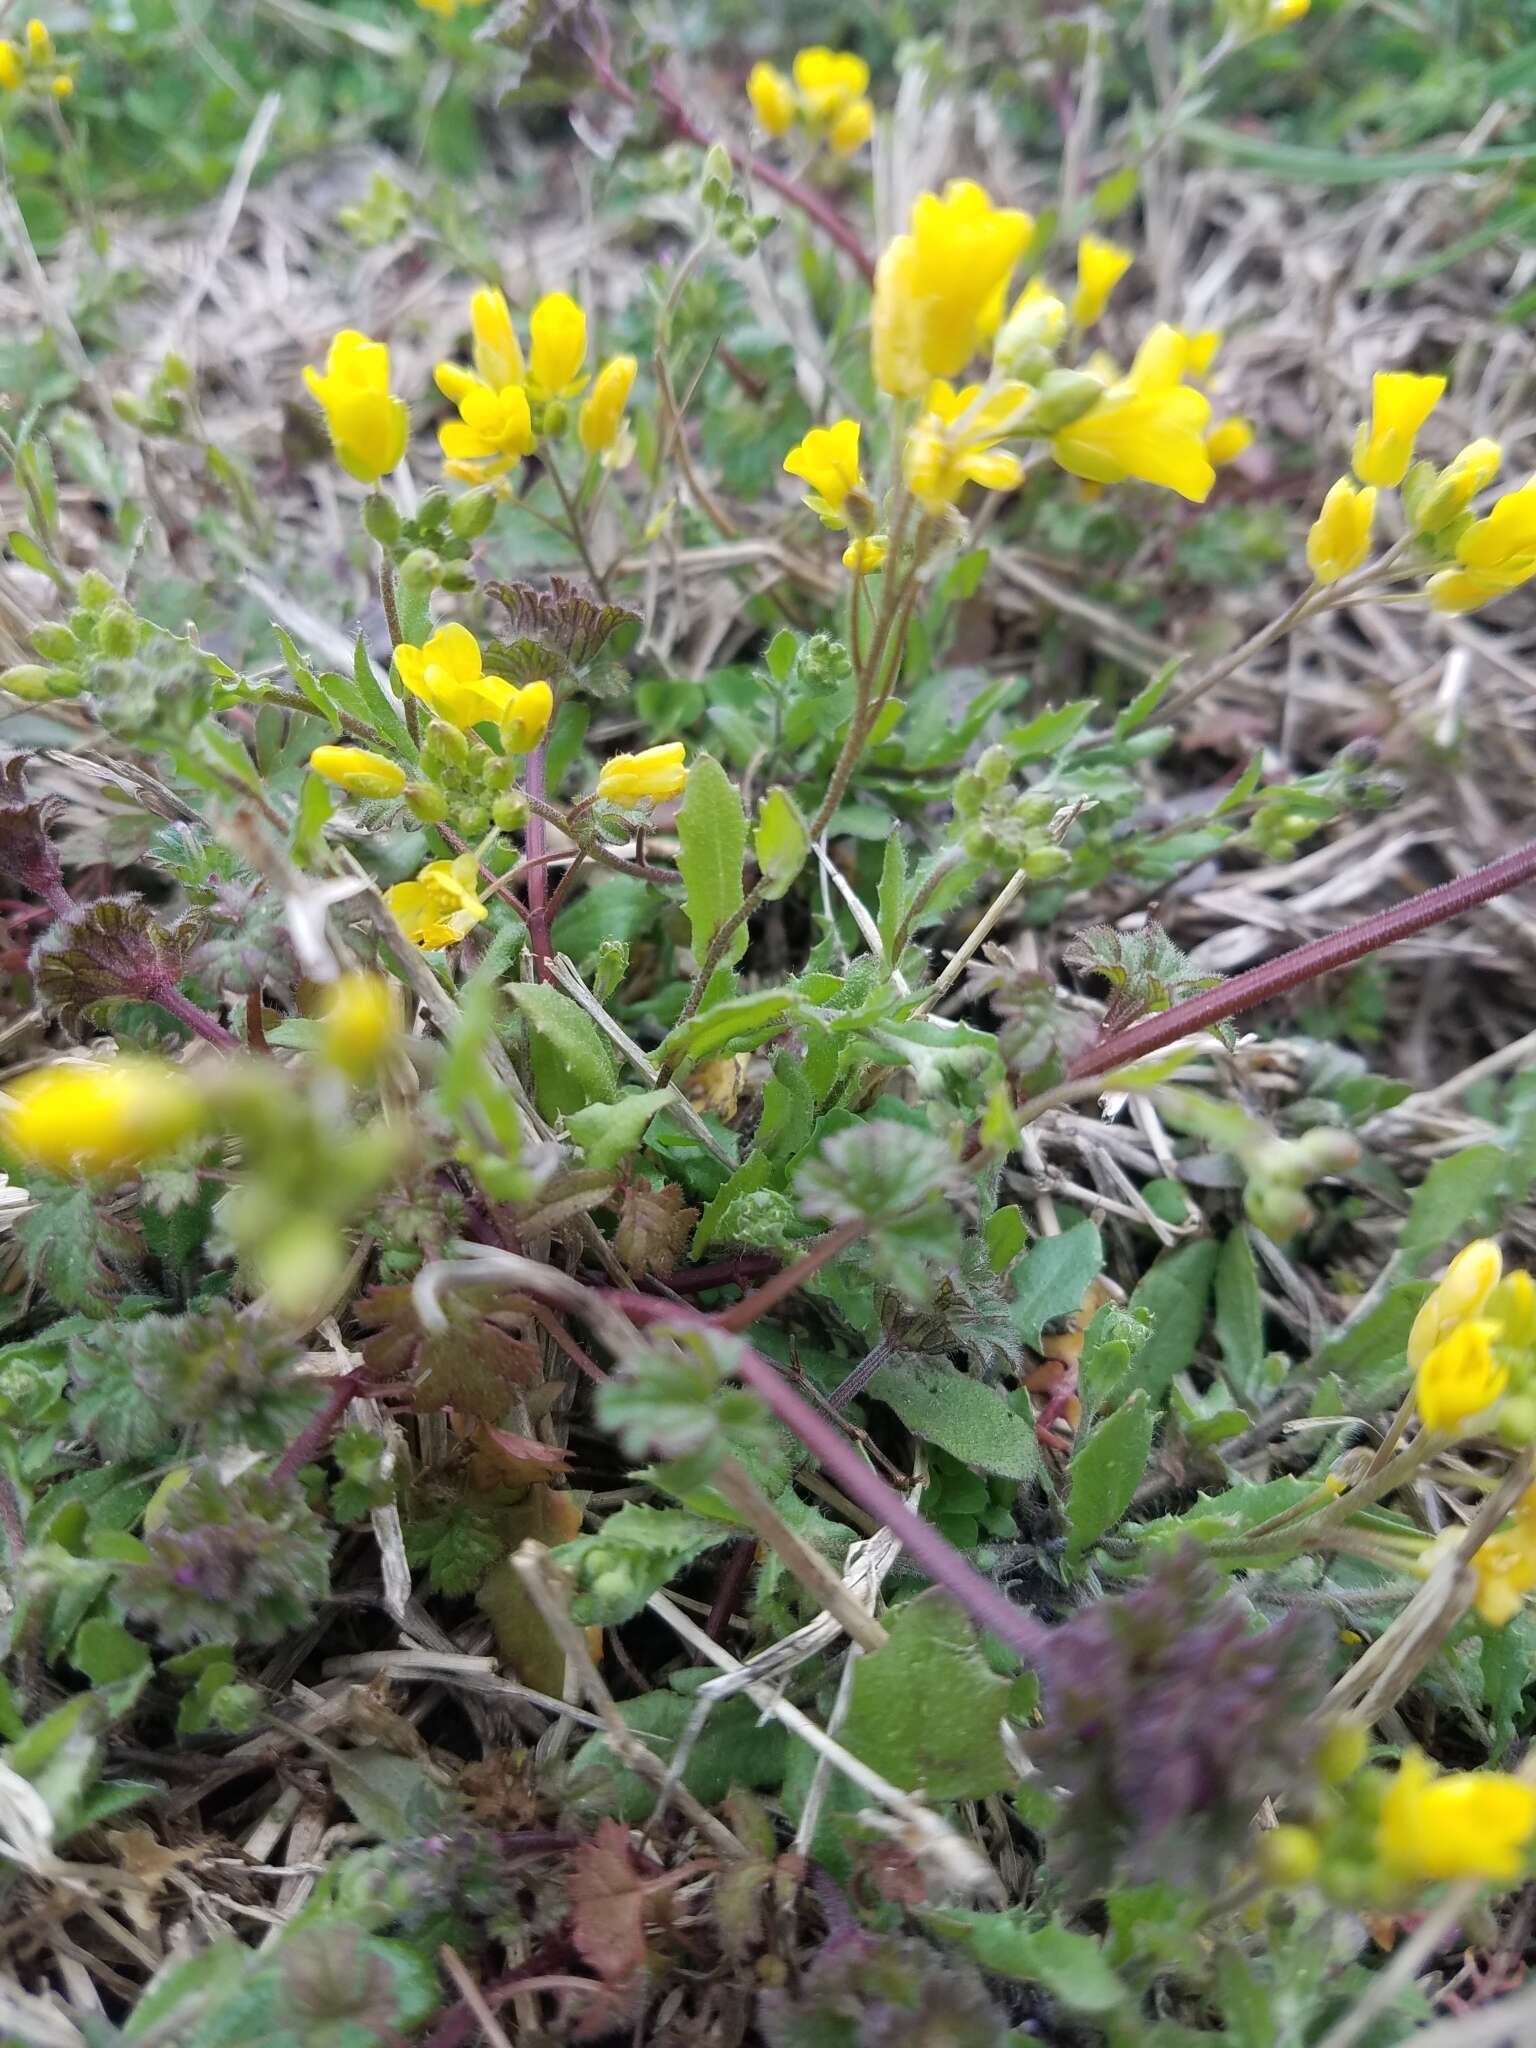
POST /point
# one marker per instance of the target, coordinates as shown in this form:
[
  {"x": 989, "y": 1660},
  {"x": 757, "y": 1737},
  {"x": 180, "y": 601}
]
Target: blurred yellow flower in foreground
[
  {"x": 1461, "y": 1824},
  {"x": 98, "y": 1117},
  {"x": 939, "y": 285},
  {"x": 1340, "y": 536}
]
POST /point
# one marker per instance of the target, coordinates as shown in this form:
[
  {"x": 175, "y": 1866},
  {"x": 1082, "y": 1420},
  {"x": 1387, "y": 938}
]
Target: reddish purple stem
[
  {"x": 321, "y": 1426},
  {"x": 1306, "y": 963}
]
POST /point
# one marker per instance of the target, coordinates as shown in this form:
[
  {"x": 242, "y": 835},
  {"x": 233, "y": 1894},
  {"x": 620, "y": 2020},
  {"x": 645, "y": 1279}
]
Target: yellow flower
[
  {"x": 493, "y": 431},
  {"x": 828, "y": 460},
  {"x": 39, "y": 42},
  {"x": 440, "y": 906},
  {"x": 525, "y": 720},
  {"x": 1200, "y": 350},
  {"x": 361, "y": 1016},
  {"x": 368, "y": 426},
  {"x": 495, "y": 351},
  {"x": 1460, "y": 1379},
  {"x": 1433, "y": 499},
  {"x": 1400, "y": 404},
  {"x": 865, "y": 556},
  {"x": 1229, "y": 439},
  {"x": 1496, "y": 554},
  {"x": 773, "y": 99},
  {"x": 829, "y": 81},
  {"x": 1155, "y": 433},
  {"x": 1341, "y": 533},
  {"x": 62, "y": 86},
  {"x": 1505, "y": 1568},
  {"x": 85, "y": 1117},
  {"x": 1281, "y": 13},
  {"x": 602, "y": 411},
  {"x": 447, "y": 676},
  {"x": 954, "y": 443},
  {"x": 358, "y": 772},
  {"x": 1037, "y": 322},
  {"x": 1462, "y": 1824},
  {"x": 1100, "y": 267},
  {"x": 658, "y": 773},
  {"x": 447, "y": 8},
  {"x": 852, "y": 128},
  {"x": 557, "y": 336},
  {"x": 1462, "y": 1293},
  {"x": 934, "y": 284},
  {"x": 10, "y": 66}
]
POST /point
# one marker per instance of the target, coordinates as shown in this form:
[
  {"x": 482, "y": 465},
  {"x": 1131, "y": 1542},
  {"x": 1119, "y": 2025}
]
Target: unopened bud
[
  {"x": 426, "y": 803},
  {"x": 117, "y": 632},
  {"x": 557, "y": 417},
  {"x": 456, "y": 576},
  {"x": 55, "y": 642},
  {"x": 1063, "y": 396},
  {"x": 382, "y": 519},
  {"x": 472, "y": 514},
  {"x": 716, "y": 179},
  {"x": 446, "y": 744},
  {"x": 473, "y": 818},
  {"x": 93, "y": 590},
  {"x": 1045, "y": 863},
  {"x": 420, "y": 569},
  {"x": 1277, "y": 1210},
  {"x": 509, "y": 812},
  {"x": 1341, "y": 1752},
  {"x": 435, "y": 508},
  {"x": 32, "y": 683},
  {"x": 1327, "y": 1150},
  {"x": 1289, "y": 1855}
]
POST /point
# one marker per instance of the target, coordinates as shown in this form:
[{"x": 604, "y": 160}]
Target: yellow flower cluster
[
  {"x": 1504, "y": 1566},
  {"x": 448, "y": 675},
  {"x": 33, "y": 63},
  {"x": 1377, "y": 1837},
  {"x": 505, "y": 402},
  {"x": 89, "y": 1118},
  {"x": 1475, "y": 1332},
  {"x": 825, "y": 96},
  {"x": 1481, "y": 559}
]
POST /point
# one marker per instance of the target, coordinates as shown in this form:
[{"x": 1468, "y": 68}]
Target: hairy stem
[
  {"x": 1306, "y": 963},
  {"x": 170, "y": 998},
  {"x": 742, "y": 1314},
  {"x": 320, "y": 1428}
]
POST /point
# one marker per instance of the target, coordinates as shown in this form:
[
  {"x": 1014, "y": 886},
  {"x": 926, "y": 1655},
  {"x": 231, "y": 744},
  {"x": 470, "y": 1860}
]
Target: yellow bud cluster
[
  {"x": 825, "y": 96},
  {"x": 33, "y": 64}
]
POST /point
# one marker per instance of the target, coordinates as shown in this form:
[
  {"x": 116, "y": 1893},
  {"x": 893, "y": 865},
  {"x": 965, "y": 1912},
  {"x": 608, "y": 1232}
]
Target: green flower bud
[
  {"x": 445, "y": 743},
  {"x": 1045, "y": 863},
  {"x": 557, "y": 417},
  {"x": 117, "y": 632},
  {"x": 1328, "y": 1151},
  {"x": 992, "y": 769},
  {"x": 1064, "y": 396},
  {"x": 426, "y": 803},
  {"x": 1277, "y": 1210},
  {"x": 509, "y": 812},
  {"x": 456, "y": 576},
  {"x": 55, "y": 642},
  {"x": 742, "y": 239},
  {"x": 34, "y": 685},
  {"x": 93, "y": 590},
  {"x": 716, "y": 180},
  {"x": 501, "y": 774},
  {"x": 472, "y": 514},
  {"x": 473, "y": 819},
  {"x": 435, "y": 509},
  {"x": 381, "y": 519},
  {"x": 128, "y": 408},
  {"x": 177, "y": 372},
  {"x": 420, "y": 569}
]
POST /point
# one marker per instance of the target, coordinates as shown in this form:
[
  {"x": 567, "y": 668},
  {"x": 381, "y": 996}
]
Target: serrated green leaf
[
  {"x": 1106, "y": 1470},
  {"x": 781, "y": 842},
  {"x": 739, "y": 1023},
  {"x": 965, "y": 1417},
  {"x": 1071, "y": 1966},
  {"x": 106, "y": 1652},
  {"x": 712, "y": 842},
  {"x": 892, "y": 1725},
  {"x": 634, "y": 1554}
]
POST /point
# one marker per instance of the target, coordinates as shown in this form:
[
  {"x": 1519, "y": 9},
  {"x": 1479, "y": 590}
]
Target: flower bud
[
  {"x": 456, "y": 576},
  {"x": 117, "y": 632},
  {"x": 1063, "y": 397},
  {"x": 716, "y": 179},
  {"x": 1045, "y": 863},
  {"x": 509, "y": 812},
  {"x": 1342, "y": 1752},
  {"x": 32, "y": 683},
  {"x": 1277, "y": 1210},
  {"x": 526, "y": 718},
  {"x": 435, "y": 509},
  {"x": 382, "y": 519},
  {"x": 426, "y": 803},
  {"x": 55, "y": 642},
  {"x": 93, "y": 590},
  {"x": 472, "y": 513},
  {"x": 1325, "y": 1150},
  {"x": 420, "y": 569},
  {"x": 1029, "y": 337},
  {"x": 1289, "y": 1855},
  {"x": 473, "y": 818},
  {"x": 446, "y": 745},
  {"x": 358, "y": 772}
]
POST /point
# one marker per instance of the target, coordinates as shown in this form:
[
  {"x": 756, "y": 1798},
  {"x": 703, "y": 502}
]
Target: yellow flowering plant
[{"x": 730, "y": 872}]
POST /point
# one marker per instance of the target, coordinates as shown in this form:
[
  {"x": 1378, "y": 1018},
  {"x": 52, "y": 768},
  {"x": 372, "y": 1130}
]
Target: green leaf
[
  {"x": 635, "y": 1553},
  {"x": 737, "y": 1747},
  {"x": 738, "y": 1024},
  {"x": 1451, "y": 1203},
  {"x": 1240, "y": 1315},
  {"x": 571, "y": 1063},
  {"x": 1146, "y": 701},
  {"x": 1244, "y": 786},
  {"x": 1005, "y": 1234},
  {"x": 1106, "y": 1470},
  {"x": 1303, "y": 164},
  {"x": 1054, "y": 1277},
  {"x": 965, "y": 1417},
  {"x": 1111, "y": 1344},
  {"x": 1370, "y": 1350},
  {"x": 1071, "y": 1966},
  {"x": 391, "y": 1796},
  {"x": 1178, "y": 1291},
  {"x": 892, "y": 1724},
  {"x": 712, "y": 842},
  {"x": 378, "y": 705},
  {"x": 609, "y": 1131},
  {"x": 893, "y": 896},
  {"x": 106, "y": 1652},
  {"x": 781, "y": 842}
]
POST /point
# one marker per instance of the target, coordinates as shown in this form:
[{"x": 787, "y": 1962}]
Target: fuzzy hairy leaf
[
  {"x": 932, "y": 1656},
  {"x": 113, "y": 950},
  {"x": 712, "y": 842},
  {"x": 637, "y": 1551},
  {"x": 971, "y": 1421}
]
